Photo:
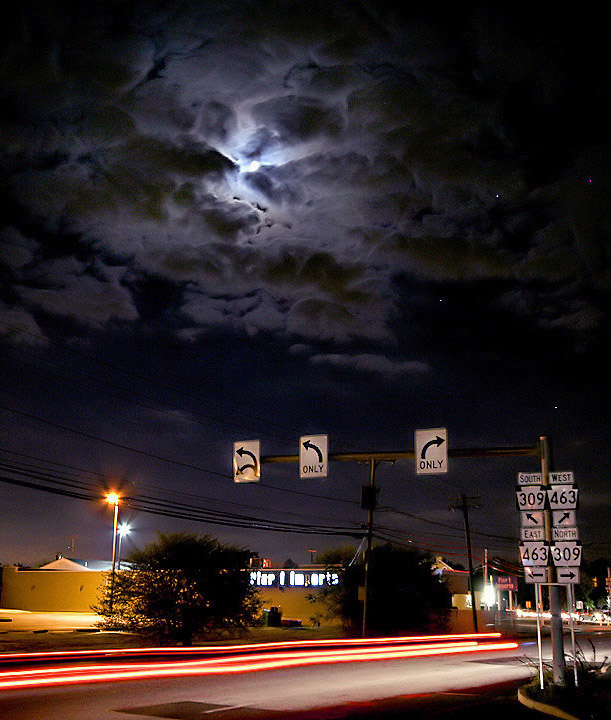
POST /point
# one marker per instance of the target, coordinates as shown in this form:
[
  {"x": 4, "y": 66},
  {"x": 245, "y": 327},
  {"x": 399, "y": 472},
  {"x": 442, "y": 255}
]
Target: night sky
[{"x": 234, "y": 221}]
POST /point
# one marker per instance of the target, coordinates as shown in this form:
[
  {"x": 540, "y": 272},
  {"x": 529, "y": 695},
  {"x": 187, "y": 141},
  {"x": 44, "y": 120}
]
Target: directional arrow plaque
[
  {"x": 534, "y": 519},
  {"x": 535, "y": 574},
  {"x": 568, "y": 575},
  {"x": 247, "y": 461},
  {"x": 431, "y": 451},
  {"x": 564, "y": 518},
  {"x": 313, "y": 456}
]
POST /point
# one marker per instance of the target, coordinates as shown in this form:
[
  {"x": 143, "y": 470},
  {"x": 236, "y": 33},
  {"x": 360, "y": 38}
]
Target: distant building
[{"x": 64, "y": 585}]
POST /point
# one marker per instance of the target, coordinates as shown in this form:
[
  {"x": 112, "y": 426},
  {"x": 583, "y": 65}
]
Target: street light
[
  {"x": 124, "y": 529},
  {"x": 113, "y": 499}
]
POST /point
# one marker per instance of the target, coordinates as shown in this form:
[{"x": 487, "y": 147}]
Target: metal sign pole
[
  {"x": 570, "y": 601},
  {"x": 539, "y": 604},
  {"x": 554, "y": 590}
]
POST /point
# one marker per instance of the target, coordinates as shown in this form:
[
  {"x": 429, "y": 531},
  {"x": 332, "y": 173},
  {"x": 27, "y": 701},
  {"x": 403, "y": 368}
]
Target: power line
[
  {"x": 144, "y": 401},
  {"x": 144, "y": 378}
]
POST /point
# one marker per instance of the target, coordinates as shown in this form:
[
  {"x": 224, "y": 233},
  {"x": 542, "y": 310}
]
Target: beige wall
[
  {"x": 50, "y": 590},
  {"x": 293, "y": 604}
]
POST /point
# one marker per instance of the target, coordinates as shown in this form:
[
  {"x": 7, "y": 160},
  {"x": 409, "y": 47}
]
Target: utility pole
[
  {"x": 369, "y": 502},
  {"x": 463, "y": 504}
]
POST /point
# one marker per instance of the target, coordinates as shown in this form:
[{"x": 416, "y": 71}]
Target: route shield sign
[
  {"x": 247, "y": 461},
  {"x": 534, "y": 554},
  {"x": 535, "y": 574},
  {"x": 566, "y": 554},
  {"x": 431, "y": 451},
  {"x": 313, "y": 456},
  {"x": 530, "y": 499},
  {"x": 563, "y": 498}
]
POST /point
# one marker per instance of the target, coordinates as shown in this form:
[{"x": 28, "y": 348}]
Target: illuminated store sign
[{"x": 293, "y": 578}]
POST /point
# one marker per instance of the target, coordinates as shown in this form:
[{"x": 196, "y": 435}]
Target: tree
[
  {"x": 183, "y": 585},
  {"x": 403, "y": 592}
]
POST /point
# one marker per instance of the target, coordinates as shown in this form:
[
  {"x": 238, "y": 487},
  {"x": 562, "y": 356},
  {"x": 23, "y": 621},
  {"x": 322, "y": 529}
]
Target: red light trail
[
  {"x": 237, "y": 649},
  {"x": 256, "y": 662}
]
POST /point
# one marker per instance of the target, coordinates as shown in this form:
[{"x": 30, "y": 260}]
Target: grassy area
[
  {"x": 88, "y": 639},
  {"x": 590, "y": 700}
]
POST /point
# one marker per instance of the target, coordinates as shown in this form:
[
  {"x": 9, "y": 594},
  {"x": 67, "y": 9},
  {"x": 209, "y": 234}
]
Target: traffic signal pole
[{"x": 554, "y": 589}]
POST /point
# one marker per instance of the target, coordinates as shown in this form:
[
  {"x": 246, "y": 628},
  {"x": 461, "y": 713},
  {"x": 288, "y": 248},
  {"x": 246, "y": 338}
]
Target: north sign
[
  {"x": 562, "y": 533},
  {"x": 313, "y": 456},
  {"x": 431, "y": 451},
  {"x": 247, "y": 461}
]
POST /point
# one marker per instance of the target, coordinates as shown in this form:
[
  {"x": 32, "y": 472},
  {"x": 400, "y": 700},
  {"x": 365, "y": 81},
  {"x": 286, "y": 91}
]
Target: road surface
[{"x": 431, "y": 687}]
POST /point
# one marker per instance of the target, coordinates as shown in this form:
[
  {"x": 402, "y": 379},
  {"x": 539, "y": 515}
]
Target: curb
[{"x": 544, "y": 707}]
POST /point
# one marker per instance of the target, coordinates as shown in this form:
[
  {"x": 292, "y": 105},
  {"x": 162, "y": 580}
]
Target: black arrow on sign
[
  {"x": 534, "y": 573},
  {"x": 310, "y": 446},
  {"x": 532, "y": 518},
  {"x": 241, "y": 452},
  {"x": 566, "y": 516},
  {"x": 437, "y": 441},
  {"x": 568, "y": 574}
]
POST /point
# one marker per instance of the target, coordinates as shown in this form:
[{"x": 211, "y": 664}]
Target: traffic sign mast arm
[{"x": 510, "y": 451}]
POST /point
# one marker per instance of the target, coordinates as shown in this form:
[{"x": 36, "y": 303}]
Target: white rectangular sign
[
  {"x": 534, "y": 518},
  {"x": 535, "y": 574},
  {"x": 568, "y": 575},
  {"x": 431, "y": 451},
  {"x": 247, "y": 461},
  {"x": 562, "y": 498},
  {"x": 531, "y": 499},
  {"x": 313, "y": 456},
  {"x": 561, "y": 478},
  {"x": 555, "y": 478},
  {"x": 564, "y": 518},
  {"x": 562, "y": 533},
  {"x": 566, "y": 554},
  {"x": 532, "y": 533},
  {"x": 529, "y": 478},
  {"x": 534, "y": 553}
]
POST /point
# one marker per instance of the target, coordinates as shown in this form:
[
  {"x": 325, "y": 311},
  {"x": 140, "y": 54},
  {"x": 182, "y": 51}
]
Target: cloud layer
[{"x": 389, "y": 146}]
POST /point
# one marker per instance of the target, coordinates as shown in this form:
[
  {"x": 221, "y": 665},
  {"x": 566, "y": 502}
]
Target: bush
[
  {"x": 181, "y": 586},
  {"x": 403, "y": 593}
]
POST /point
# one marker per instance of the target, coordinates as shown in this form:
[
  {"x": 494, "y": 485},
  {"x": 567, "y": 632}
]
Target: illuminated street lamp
[
  {"x": 113, "y": 499},
  {"x": 124, "y": 529}
]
